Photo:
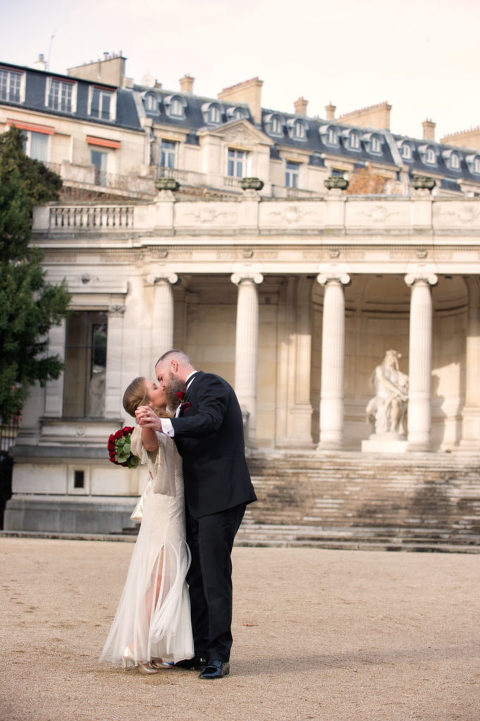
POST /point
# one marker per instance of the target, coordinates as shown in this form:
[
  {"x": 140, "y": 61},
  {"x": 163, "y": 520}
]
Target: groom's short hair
[{"x": 180, "y": 355}]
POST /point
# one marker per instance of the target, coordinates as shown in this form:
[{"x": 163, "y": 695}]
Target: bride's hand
[{"x": 147, "y": 418}]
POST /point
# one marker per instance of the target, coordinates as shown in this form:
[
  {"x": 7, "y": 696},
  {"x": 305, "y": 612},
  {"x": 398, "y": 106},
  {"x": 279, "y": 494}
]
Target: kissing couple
[{"x": 176, "y": 606}]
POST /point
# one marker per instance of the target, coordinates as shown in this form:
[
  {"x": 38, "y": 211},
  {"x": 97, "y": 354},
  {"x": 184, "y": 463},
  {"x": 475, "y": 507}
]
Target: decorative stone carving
[
  {"x": 336, "y": 182},
  {"x": 116, "y": 310},
  {"x": 387, "y": 410},
  {"x": 167, "y": 184},
  {"x": 251, "y": 184},
  {"x": 423, "y": 182}
]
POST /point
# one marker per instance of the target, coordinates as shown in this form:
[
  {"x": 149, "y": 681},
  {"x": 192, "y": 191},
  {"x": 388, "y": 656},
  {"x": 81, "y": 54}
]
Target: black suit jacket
[{"x": 209, "y": 437}]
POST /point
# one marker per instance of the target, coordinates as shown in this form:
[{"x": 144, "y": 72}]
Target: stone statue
[
  {"x": 96, "y": 393},
  {"x": 387, "y": 411}
]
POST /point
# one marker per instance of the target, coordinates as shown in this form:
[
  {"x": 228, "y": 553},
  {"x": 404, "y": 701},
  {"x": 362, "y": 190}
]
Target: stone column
[
  {"x": 471, "y": 409},
  {"x": 333, "y": 346},
  {"x": 163, "y": 314},
  {"x": 113, "y": 375},
  {"x": 420, "y": 360},
  {"x": 54, "y": 388},
  {"x": 246, "y": 349}
]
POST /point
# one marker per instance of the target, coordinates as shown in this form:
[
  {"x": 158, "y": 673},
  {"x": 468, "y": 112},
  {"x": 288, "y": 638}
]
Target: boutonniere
[
  {"x": 185, "y": 406},
  {"x": 180, "y": 395}
]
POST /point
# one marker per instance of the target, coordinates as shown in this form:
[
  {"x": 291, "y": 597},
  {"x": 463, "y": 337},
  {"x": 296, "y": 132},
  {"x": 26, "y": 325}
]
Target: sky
[{"x": 422, "y": 56}]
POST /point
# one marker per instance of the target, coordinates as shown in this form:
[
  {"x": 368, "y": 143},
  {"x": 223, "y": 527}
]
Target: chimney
[
  {"x": 300, "y": 106},
  {"x": 428, "y": 129},
  {"x": 186, "y": 84},
  {"x": 41, "y": 63},
  {"x": 330, "y": 111},
  {"x": 250, "y": 92}
]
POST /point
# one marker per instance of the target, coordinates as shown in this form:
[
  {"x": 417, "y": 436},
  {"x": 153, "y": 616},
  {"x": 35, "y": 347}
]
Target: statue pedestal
[{"x": 384, "y": 443}]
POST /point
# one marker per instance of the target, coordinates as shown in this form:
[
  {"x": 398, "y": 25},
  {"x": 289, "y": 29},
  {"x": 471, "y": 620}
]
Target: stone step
[{"x": 356, "y": 498}]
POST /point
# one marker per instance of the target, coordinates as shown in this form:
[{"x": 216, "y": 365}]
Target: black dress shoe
[
  {"x": 196, "y": 663},
  {"x": 215, "y": 669}
]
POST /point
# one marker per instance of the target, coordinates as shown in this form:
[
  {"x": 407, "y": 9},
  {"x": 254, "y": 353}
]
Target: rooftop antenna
[{"x": 52, "y": 36}]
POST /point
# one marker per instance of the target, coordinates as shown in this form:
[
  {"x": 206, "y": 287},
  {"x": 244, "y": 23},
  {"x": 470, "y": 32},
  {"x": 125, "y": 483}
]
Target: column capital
[
  {"x": 162, "y": 277},
  {"x": 336, "y": 274},
  {"x": 422, "y": 275},
  {"x": 253, "y": 277}
]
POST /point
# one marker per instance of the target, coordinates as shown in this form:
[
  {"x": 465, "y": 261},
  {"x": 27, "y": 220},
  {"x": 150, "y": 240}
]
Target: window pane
[
  {"x": 10, "y": 85},
  {"x": 99, "y": 160},
  {"x": 38, "y": 146},
  {"x": 85, "y": 365}
]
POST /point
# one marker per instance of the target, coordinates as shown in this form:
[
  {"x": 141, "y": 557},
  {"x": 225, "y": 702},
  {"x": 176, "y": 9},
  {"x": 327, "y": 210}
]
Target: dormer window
[
  {"x": 473, "y": 163},
  {"x": 102, "y": 103},
  {"x": 428, "y": 154},
  {"x": 175, "y": 106},
  {"x": 274, "y": 124},
  {"x": 296, "y": 128},
  {"x": 374, "y": 143},
  {"x": 212, "y": 113},
  {"x": 329, "y": 134},
  {"x": 150, "y": 102},
  {"x": 454, "y": 162},
  {"x": 353, "y": 140},
  {"x": 452, "y": 159},
  {"x": 12, "y": 85},
  {"x": 406, "y": 151},
  {"x": 237, "y": 113},
  {"x": 61, "y": 95},
  {"x": 299, "y": 130}
]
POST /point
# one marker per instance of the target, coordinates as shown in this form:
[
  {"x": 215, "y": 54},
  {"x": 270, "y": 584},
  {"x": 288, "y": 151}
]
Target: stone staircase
[{"x": 357, "y": 500}]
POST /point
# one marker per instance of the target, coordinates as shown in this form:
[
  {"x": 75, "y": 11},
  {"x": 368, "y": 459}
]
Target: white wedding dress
[{"x": 153, "y": 615}]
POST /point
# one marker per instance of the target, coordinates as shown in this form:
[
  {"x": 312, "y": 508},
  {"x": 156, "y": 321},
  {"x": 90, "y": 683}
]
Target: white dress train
[{"x": 153, "y": 615}]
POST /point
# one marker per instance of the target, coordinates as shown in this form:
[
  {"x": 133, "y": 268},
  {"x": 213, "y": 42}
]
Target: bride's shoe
[
  {"x": 128, "y": 663},
  {"x": 147, "y": 668}
]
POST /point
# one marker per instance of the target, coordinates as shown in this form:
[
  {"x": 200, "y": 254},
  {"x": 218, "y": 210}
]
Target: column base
[
  {"x": 419, "y": 447},
  {"x": 329, "y": 446}
]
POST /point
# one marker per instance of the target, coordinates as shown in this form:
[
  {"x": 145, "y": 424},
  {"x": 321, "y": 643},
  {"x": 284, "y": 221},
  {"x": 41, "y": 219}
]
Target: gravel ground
[{"x": 319, "y": 634}]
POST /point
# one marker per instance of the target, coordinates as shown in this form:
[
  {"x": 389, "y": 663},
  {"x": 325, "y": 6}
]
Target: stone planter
[
  {"x": 336, "y": 182},
  {"x": 251, "y": 184},
  {"x": 423, "y": 182},
  {"x": 167, "y": 184}
]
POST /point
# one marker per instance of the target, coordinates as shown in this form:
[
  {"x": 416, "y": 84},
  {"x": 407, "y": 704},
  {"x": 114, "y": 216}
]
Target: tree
[
  {"x": 29, "y": 305},
  {"x": 364, "y": 181}
]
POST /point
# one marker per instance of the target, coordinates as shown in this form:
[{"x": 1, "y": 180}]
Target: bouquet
[{"x": 119, "y": 448}]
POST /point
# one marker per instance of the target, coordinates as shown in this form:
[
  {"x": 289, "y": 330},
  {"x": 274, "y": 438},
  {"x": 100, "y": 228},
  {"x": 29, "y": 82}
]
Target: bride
[{"x": 152, "y": 626}]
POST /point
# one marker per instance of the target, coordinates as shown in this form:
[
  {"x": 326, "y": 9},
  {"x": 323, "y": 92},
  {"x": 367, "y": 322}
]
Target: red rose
[{"x": 180, "y": 395}]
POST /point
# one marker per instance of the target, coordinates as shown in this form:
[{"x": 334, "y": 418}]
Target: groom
[{"x": 208, "y": 432}]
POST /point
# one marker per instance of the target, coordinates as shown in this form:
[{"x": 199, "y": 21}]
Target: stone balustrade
[{"x": 383, "y": 234}]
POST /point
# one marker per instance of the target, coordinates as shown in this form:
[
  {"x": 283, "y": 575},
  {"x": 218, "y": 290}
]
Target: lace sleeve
[
  {"x": 137, "y": 445},
  {"x": 164, "y": 467},
  {"x": 161, "y": 462}
]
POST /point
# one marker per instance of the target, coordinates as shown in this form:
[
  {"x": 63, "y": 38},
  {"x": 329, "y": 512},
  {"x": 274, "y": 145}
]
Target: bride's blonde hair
[{"x": 135, "y": 395}]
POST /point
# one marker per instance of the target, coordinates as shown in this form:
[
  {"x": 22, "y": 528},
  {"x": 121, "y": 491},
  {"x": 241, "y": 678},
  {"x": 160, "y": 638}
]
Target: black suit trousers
[{"x": 210, "y": 539}]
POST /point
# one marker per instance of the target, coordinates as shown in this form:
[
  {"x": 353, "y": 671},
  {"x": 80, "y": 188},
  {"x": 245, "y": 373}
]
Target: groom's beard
[{"x": 175, "y": 385}]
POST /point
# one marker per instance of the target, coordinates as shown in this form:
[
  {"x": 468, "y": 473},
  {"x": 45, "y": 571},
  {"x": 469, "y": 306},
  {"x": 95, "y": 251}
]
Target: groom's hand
[{"x": 147, "y": 418}]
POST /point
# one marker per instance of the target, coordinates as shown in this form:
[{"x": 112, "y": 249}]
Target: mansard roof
[
  {"x": 35, "y": 98},
  {"x": 315, "y": 137}
]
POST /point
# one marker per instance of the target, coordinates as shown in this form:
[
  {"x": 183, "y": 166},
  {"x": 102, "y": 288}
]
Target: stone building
[
  {"x": 293, "y": 291},
  {"x": 110, "y": 138}
]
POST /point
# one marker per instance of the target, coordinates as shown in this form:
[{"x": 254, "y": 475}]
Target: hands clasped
[{"x": 147, "y": 418}]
